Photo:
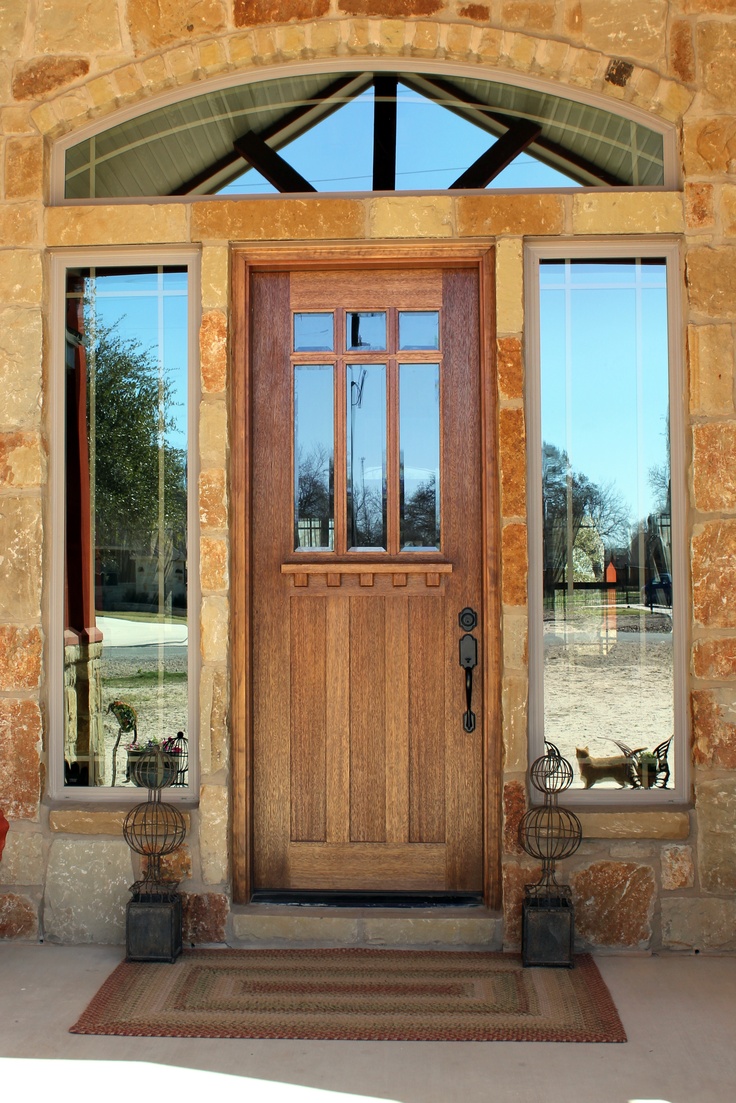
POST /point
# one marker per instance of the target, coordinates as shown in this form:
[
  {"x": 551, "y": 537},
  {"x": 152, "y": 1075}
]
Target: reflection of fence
[{"x": 315, "y": 532}]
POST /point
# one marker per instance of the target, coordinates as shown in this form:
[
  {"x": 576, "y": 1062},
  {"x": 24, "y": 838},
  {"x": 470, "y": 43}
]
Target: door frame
[{"x": 311, "y": 256}]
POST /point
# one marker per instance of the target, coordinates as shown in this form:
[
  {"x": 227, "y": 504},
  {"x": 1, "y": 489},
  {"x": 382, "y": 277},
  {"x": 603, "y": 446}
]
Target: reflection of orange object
[
  {"x": 610, "y": 614},
  {"x": 4, "y": 825},
  {"x": 610, "y": 572}
]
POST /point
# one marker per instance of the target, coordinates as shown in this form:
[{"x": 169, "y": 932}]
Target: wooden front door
[{"x": 365, "y": 545}]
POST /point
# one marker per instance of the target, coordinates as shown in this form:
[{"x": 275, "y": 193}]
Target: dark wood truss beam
[
  {"x": 498, "y": 156},
  {"x": 271, "y": 164},
  {"x": 384, "y": 132}
]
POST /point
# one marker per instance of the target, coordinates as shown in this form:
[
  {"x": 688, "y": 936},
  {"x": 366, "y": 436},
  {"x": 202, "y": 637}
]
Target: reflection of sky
[
  {"x": 605, "y": 372},
  {"x": 433, "y": 147},
  {"x": 150, "y": 308}
]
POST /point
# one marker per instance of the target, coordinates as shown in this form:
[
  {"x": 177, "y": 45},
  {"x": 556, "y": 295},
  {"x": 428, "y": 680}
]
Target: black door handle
[{"x": 468, "y": 661}]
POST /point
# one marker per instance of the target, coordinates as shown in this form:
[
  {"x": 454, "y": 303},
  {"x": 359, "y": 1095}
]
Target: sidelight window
[{"x": 606, "y": 596}]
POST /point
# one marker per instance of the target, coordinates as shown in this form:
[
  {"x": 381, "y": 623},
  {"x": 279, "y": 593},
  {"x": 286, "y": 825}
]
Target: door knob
[{"x": 468, "y": 619}]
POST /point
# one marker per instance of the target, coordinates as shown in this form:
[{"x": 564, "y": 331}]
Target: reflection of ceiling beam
[
  {"x": 494, "y": 121},
  {"x": 499, "y": 155},
  {"x": 384, "y": 132},
  {"x": 270, "y": 164}
]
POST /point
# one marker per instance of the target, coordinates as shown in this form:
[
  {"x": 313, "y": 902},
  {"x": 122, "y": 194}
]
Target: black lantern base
[
  {"x": 153, "y": 927},
  {"x": 548, "y": 928}
]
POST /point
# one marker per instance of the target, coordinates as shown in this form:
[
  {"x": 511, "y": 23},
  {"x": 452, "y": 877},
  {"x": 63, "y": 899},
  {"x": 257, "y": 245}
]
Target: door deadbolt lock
[{"x": 467, "y": 619}]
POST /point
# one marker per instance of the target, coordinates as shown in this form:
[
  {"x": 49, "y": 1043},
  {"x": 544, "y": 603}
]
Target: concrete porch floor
[{"x": 679, "y": 1013}]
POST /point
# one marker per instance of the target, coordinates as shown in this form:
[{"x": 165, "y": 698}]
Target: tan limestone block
[
  {"x": 213, "y": 346},
  {"x": 490, "y": 46},
  {"x": 213, "y": 833},
  {"x": 424, "y": 37},
  {"x": 21, "y": 277},
  {"x": 711, "y": 276},
  {"x": 264, "y": 44},
  {"x": 711, "y": 354},
  {"x": 716, "y": 52},
  {"x": 73, "y": 821},
  {"x": 728, "y": 209},
  {"x": 510, "y": 367},
  {"x": 175, "y": 867},
  {"x": 586, "y": 68},
  {"x": 627, "y": 850},
  {"x": 509, "y": 286},
  {"x": 20, "y": 224},
  {"x": 632, "y": 213},
  {"x": 714, "y": 728},
  {"x": 714, "y": 583},
  {"x": 219, "y": 730},
  {"x": 411, "y": 218},
  {"x": 24, "y": 168},
  {"x": 156, "y": 23},
  {"x": 387, "y": 9},
  {"x": 183, "y": 64},
  {"x": 514, "y": 704},
  {"x": 16, "y": 120},
  {"x": 212, "y": 57},
  {"x": 95, "y": 24},
  {"x": 107, "y": 225},
  {"x": 682, "y": 50},
  {"x": 515, "y": 877},
  {"x": 710, "y": 144},
  {"x": 13, "y": 18},
  {"x": 673, "y": 99},
  {"x": 509, "y": 214},
  {"x": 215, "y": 277},
  {"x": 34, "y": 79},
  {"x": 215, "y": 638},
  {"x": 699, "y": 209},
  {"x": 531, "y": 15},
  {"x": 21, "y": 654},
  {"x": 20, "y": 366},
  {"x": 291, "y": 42},
  {"x": 614, "y": 903},
  {"x": 18, "y": 917},
  {"x": 360, "y": 38},
  {"x": 512, "y": 450},
  {"x": 20, "y": 746},
  {"x": 213, "y": 499},
  {"x": 155, "y": 74},
  {"x": 213, "y": 564},
  {"x": 514, "y": 807},
  {"x": 514, "y": 564},
  {"x": 87, "y": 890},
  {"x": 714, "y": 466},
  {"x": 102, "y": 92},
  {"x": 213, "y": 433},
  {"x": 715, "y": 659},
  {"x": 695, "y": 923},
  {"x": 22, "y": 460},
  {"x": 21, "y": 541},
  {"x": 75, "y": 106},
  {"x": 278, "y": 219},
  {"x": 715, "y": 804},
  {"x": 519, "y": 49},
  {"x": 248, "y": 13},
  {"x": 458, "y": 41},
  {"x": 128, "y": 81},
  {"x": 678, "y": 868},
  {"x": 633, "y": 825},
  {"x": 22, "y": 862},
  {"x": 241, "y": 48},
  {"x": 47, "y": 118},
  {"x": 623, "y": 28},
  {"x": 204, "y": 917},
  {"x": 515, "y": 641},
  {"x": 645, "y": 85}
]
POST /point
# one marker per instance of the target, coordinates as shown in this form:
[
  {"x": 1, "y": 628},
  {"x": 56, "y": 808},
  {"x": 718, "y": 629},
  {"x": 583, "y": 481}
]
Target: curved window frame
[{"x": 617, "y": 109}]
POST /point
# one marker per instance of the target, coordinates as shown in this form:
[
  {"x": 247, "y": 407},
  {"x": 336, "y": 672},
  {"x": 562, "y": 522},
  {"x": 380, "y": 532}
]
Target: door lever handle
[{"x": 468, "y": 661}]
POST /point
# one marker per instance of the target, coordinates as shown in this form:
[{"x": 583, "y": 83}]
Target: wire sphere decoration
[
  {"x": 153, "y": 829},
  {"x": 178, "y": 746},
  {"x": 549, "y": 833},
  {"x": 154, "y": 769},
  {"x": 551, "y": 773}
]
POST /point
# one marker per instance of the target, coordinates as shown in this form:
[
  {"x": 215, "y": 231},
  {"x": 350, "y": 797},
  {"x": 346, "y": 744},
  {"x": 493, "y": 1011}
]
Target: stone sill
[
  {"x": 635, "y": 825},
  {"x": 69, "y": 821}
]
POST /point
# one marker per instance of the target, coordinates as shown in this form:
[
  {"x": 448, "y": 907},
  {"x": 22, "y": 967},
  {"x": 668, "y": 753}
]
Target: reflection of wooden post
[{"x": 611, "y": 600}]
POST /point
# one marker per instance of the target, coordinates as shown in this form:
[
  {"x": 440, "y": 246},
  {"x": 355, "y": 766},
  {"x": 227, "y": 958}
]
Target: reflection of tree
[
  {"x": 419, "y": 527},
  {"x": 365, "y": 517},
  {"x": 314, "y": 479}
]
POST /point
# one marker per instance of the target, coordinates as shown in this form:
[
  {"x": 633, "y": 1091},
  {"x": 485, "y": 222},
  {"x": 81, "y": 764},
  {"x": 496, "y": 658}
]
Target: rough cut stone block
[
  {"x": 694, "y": 923},
  {"x": 213, "y": 833},
  {"x": 699, "y": 209},
  {"x": 213, "y": 351},
  {"x": 515, "y": 642},
  {"x": 512, "y": 448},
  {"x": 411, "y": 218},
  {"x": 510, "y": 367},
  {"x": 509, "y": 286},
  {"x": 678, "y": 868},
  {"x": 96, "y": 26},
  {"x": 20, "y": 224},
  {"x": 714, "y": 467},
  {"x": 124, "y": 225},
  {"x": 532, "y": 15},
  {"x": 219, "y": 732},
  {"x": 74, "y": 821},
  {"x": 213, "y": 499},
  {"x": 87, "y": 885},
  {"x": 614, "y": 904},
  {"x": 635, "y": 212},
  {"x": 515, "y": 878},
  {"x": 635, "y": 825},
  {"x": 714, "y": 728},
  {"x": 215, "y": 277},
  {"x": 711, "y": 273},
  {"x": 715, "y": 803},
  {"x": 22, "y": 460},
  {"x": 269, "y": 928},
  {"x": 514, "y": 807},
  {"x": 682, "y": 50},
  {"x": 12, "y": 26},
  {"x": 18, "y": 917},
  {"x": 34, "y": 79},
  {"x": 22, "y": 862},
  {"x": 389, "y": 9},
  {"x": 213, "y": 433},
  {"x": 714, "y": 580},
  {"x": 479, "y": 215},
  {"x": 175, "y": 867},
  {"x": 715, "y": 659},
  {"x": 20, "y": 745},
  {"x": 278, "y": 219},
  {"x": 157, "y": 23},
  {"x": 514, "y": 564},
  {"x": 623, "y": 28},
  {"x": 20, "y": 558},
  {"x": 514, "y": 696},
  {"x": 432, "y": 931},
  {"x": 21, "y": 278},
  {"x": 21, "y": 651},
  {"x": 717, "y": 61},
  {"x": 711, "y": 352},
  {"x": 204, "y": 917},
  {"x": 24, "y": 168},
  {"x": 213, "y": 563},
  {"x": 20, "y": 366},
  {"x": 249, "y": 13},
  {"x": 214, "y": 643},
  {"x": 710, "y": 144}
]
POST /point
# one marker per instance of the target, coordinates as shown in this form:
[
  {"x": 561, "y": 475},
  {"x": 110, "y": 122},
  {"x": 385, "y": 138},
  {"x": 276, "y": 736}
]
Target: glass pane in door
[
  {"x": 419, "y": 456},
  {"x": 314, "y": 457},
  {"x": 366, "y": 456}
]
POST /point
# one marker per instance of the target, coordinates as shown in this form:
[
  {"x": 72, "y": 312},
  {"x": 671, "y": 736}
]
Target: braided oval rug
[{"x": 407, "y": 995}]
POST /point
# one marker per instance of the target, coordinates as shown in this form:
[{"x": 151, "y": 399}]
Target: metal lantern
[{"x": 549, "y": 833}]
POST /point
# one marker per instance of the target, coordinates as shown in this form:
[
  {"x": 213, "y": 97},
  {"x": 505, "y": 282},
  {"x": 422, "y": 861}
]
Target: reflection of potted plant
[
  {"x": 647, "y": 766},
  {"x": 151, "y": 771}
]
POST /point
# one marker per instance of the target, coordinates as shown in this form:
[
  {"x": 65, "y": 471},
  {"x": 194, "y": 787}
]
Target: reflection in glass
[
  {"x": 366, "y": 331},
  {"x": 125, "y": 646},
  {"x": 313, "y": 333},
  {"x": 366, "y": 455},
  {"x": 419, "y": 444},
  {"x": 607, "y": 543},
  {"x": 314, "y": 457},
  {"x": 419, "y": 329}
]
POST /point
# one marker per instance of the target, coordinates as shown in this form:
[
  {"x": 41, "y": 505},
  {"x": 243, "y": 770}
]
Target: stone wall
[{"x": 641, "y": 880}]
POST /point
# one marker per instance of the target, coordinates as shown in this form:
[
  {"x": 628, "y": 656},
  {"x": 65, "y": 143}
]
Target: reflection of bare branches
[
  {"x": 314, "y": 483},
  {"x": 420, "y": 524},
  {"x": 365, "y": 517}
]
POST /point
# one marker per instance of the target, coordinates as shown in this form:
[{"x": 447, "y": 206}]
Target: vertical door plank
[
  {"x": 337, "y": 720},
  {"x": 367, "y": 720},
  {"x": 307, "y": 744},
  {"x": 427, "y": 672},
  {"x": 397, "y": 720}
]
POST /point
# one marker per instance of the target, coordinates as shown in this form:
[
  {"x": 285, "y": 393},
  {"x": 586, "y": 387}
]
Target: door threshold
[{"x": 314, "y": 899}]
